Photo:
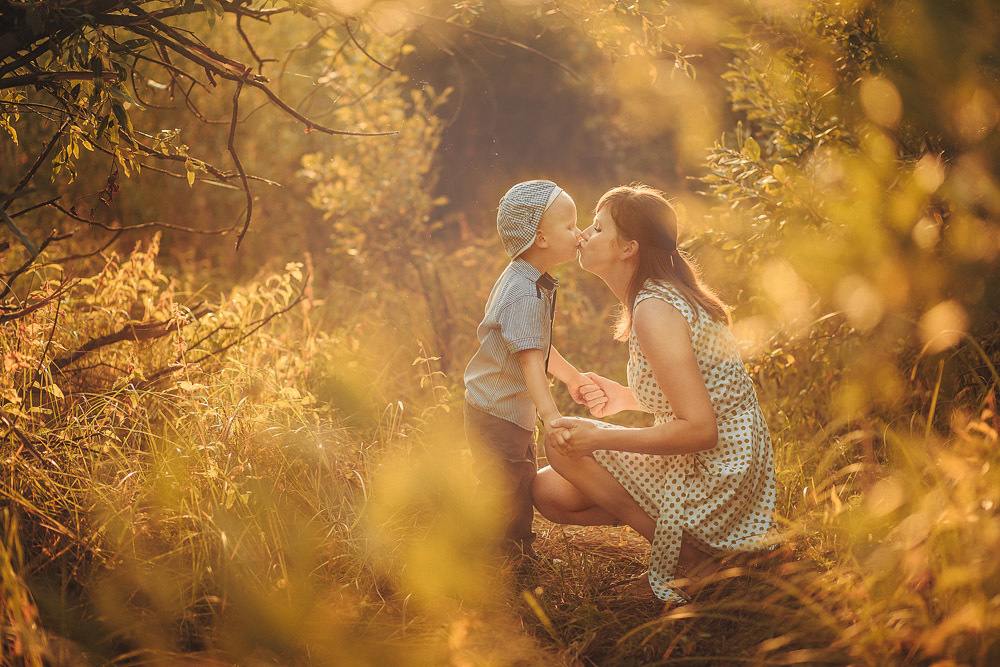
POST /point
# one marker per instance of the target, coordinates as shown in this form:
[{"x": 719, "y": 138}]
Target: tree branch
[
  {"x": 143, "y": 225},
  {"x": 25, "y": 241},
  {"x": 239, "y": 165},
  {"x": 23, "y": 439},
  {"x": 257, "y": 325},
  {"x": 347, "y": 26},
  {"x": 253, "y": 52},
  {"x": 214, "y": 63},
  {"x": 10, "y": 317},
  {"x": 10, "y": 278},
  {"x": 35, "y": 165},
  {"x": 40, "y": 78},
  {"x": 498, "y": 39},
  {"x": 133, "y": 331}
]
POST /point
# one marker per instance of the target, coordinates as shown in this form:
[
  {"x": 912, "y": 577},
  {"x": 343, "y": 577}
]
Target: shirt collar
[{"x": 543, "y": 280}]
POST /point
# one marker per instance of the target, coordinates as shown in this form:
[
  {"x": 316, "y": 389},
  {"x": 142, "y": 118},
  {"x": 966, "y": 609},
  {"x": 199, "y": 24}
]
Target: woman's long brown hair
[{"x": 643, "y": 214}]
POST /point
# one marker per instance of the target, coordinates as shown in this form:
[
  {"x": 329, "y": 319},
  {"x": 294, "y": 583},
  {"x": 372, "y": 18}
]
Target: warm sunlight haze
[{"x": 305, "y": 362}]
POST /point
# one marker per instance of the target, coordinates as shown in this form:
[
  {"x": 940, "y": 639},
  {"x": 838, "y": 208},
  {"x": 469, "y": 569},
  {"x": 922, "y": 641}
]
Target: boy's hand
[
  {"x": 555, "y": 438},
  {"x": 587, "y": 392},
  {"x": 574, "y": 437},
  {"x": 552, "y": 438}
]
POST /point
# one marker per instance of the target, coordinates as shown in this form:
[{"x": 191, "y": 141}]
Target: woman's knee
[
  {"x": 544, "y": 495},
  {"x": 564, "y": 465},
  {"x": 553, "y": 496}
]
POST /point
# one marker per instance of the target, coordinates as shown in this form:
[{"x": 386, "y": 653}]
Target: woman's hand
[
  {"x": 616, "y": 397},
  {"x": 573, "y": 437}
]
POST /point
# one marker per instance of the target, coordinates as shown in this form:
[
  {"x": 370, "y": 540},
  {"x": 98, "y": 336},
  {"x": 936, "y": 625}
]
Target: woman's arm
[
  {"x": 619, "y": 396},
  {"x": 665, "y": 339}
]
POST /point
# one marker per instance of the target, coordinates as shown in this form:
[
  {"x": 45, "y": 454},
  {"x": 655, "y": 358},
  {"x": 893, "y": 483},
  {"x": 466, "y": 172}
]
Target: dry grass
[{"x": 306, "y": 498}]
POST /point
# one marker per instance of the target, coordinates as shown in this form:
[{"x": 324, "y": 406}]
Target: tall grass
[
  {"x": 888, "y": 530},
  {"x": 263, "y": 503},
  {"x": 303, "y": 496}
]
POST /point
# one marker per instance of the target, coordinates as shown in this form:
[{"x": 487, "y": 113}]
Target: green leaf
[
  {"x": 751, "y": 149},
  {"x": 123, "y": 95},
  {"x": 119, "y": 112}
]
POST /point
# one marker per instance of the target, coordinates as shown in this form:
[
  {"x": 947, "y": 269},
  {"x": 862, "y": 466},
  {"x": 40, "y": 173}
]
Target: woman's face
[{"x": 600, "y": 247}]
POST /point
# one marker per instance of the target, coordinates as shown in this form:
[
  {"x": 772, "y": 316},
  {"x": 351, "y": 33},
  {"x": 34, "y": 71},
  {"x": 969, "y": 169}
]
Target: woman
[{"x": 700, "y": 481}]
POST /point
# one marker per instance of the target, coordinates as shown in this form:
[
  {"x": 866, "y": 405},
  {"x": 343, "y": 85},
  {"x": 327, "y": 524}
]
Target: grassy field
[{"x": 303, "y": 496}]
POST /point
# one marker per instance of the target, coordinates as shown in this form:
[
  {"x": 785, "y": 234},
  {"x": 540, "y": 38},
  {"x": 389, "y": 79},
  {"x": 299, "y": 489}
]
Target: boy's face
[{"x": 558, "y": 228}]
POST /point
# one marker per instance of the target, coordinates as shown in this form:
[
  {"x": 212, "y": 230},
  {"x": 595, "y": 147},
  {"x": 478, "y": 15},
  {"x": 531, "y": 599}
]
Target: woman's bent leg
[
  {"x": 598, "y": 485},
  {"x": 561, "y": 502}
]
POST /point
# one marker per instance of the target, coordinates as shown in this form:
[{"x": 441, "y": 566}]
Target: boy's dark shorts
[{"x": 510, "y": 451}]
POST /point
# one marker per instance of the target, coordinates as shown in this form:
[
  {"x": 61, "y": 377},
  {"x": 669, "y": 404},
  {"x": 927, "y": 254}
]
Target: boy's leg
[
  {"x": 508, "y": 452},
  {"x": 522, "y": 471}
]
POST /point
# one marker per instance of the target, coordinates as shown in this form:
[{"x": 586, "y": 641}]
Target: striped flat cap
[{"x": 521, "y": 211}]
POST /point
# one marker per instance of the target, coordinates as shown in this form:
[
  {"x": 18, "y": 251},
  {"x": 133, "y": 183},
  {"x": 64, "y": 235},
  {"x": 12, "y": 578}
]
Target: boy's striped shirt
[{"x": 518, "y": 317}]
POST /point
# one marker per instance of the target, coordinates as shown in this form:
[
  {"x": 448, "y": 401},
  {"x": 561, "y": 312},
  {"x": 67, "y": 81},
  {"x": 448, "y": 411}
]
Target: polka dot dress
[{"x": 722, "y": 498}]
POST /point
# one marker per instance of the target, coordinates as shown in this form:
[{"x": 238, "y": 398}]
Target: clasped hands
[{"x": 575, "y": 437}]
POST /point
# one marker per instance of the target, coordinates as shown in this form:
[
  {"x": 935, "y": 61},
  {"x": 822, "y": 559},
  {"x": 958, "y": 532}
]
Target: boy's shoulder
[
  {"x": 516, "y": 288},
  {"x": 515, "y": 282}
]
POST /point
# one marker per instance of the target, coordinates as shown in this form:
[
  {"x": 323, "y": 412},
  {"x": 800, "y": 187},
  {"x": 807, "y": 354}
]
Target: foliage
[
  {"x": 217, "y": 505},
  {"x": 201, "y": 466}
]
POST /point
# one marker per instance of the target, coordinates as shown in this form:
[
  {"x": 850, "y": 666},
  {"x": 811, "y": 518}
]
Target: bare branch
[
  {"x": 11, "y": 277},
  {"x": 253, "y": 52},
  {"x": 31, "y": 208},
  {"x": 40, "y": 78},
  {"x": 257, "y": 325},
  {"x": 35, "y": 165},
  {"x": 498, "y": 39},
  {"x": 101, "y": 249},
  {"x": 239, "y": 165},
  {"x": 347, "y": 26},
  {"x": 10, "y": 317},
  {"x": 25, "y": 241},
  {"x": 226, "y": 68},
  {"x": 171, "y": 68},
  {"x": 29, "y": 57},
  {"x": 138, "y": 97},
  {"x": 134, "y": 331},
  {"x": 23, "y": 439},
  {"x": 196, "y": 111},
  {"x": 145, "y": 225},
  {"x": 301, "y": 46}
]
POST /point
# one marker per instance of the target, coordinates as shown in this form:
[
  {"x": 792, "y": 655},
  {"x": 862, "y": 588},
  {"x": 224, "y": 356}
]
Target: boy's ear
[
  {"x": 630, "y": 249},
  {"x": 540, "y": 240}
]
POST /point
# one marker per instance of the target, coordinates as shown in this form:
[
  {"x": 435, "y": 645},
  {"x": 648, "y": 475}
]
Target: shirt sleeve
[{"x": 523, "y": 323}]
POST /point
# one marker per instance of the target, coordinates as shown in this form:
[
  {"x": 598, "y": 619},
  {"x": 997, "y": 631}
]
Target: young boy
[{"x": 506, "y": 387}]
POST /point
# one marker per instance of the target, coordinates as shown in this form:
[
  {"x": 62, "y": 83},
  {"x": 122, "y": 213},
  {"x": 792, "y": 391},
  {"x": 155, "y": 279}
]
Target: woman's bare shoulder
[{"x": 654, "y": 318}]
